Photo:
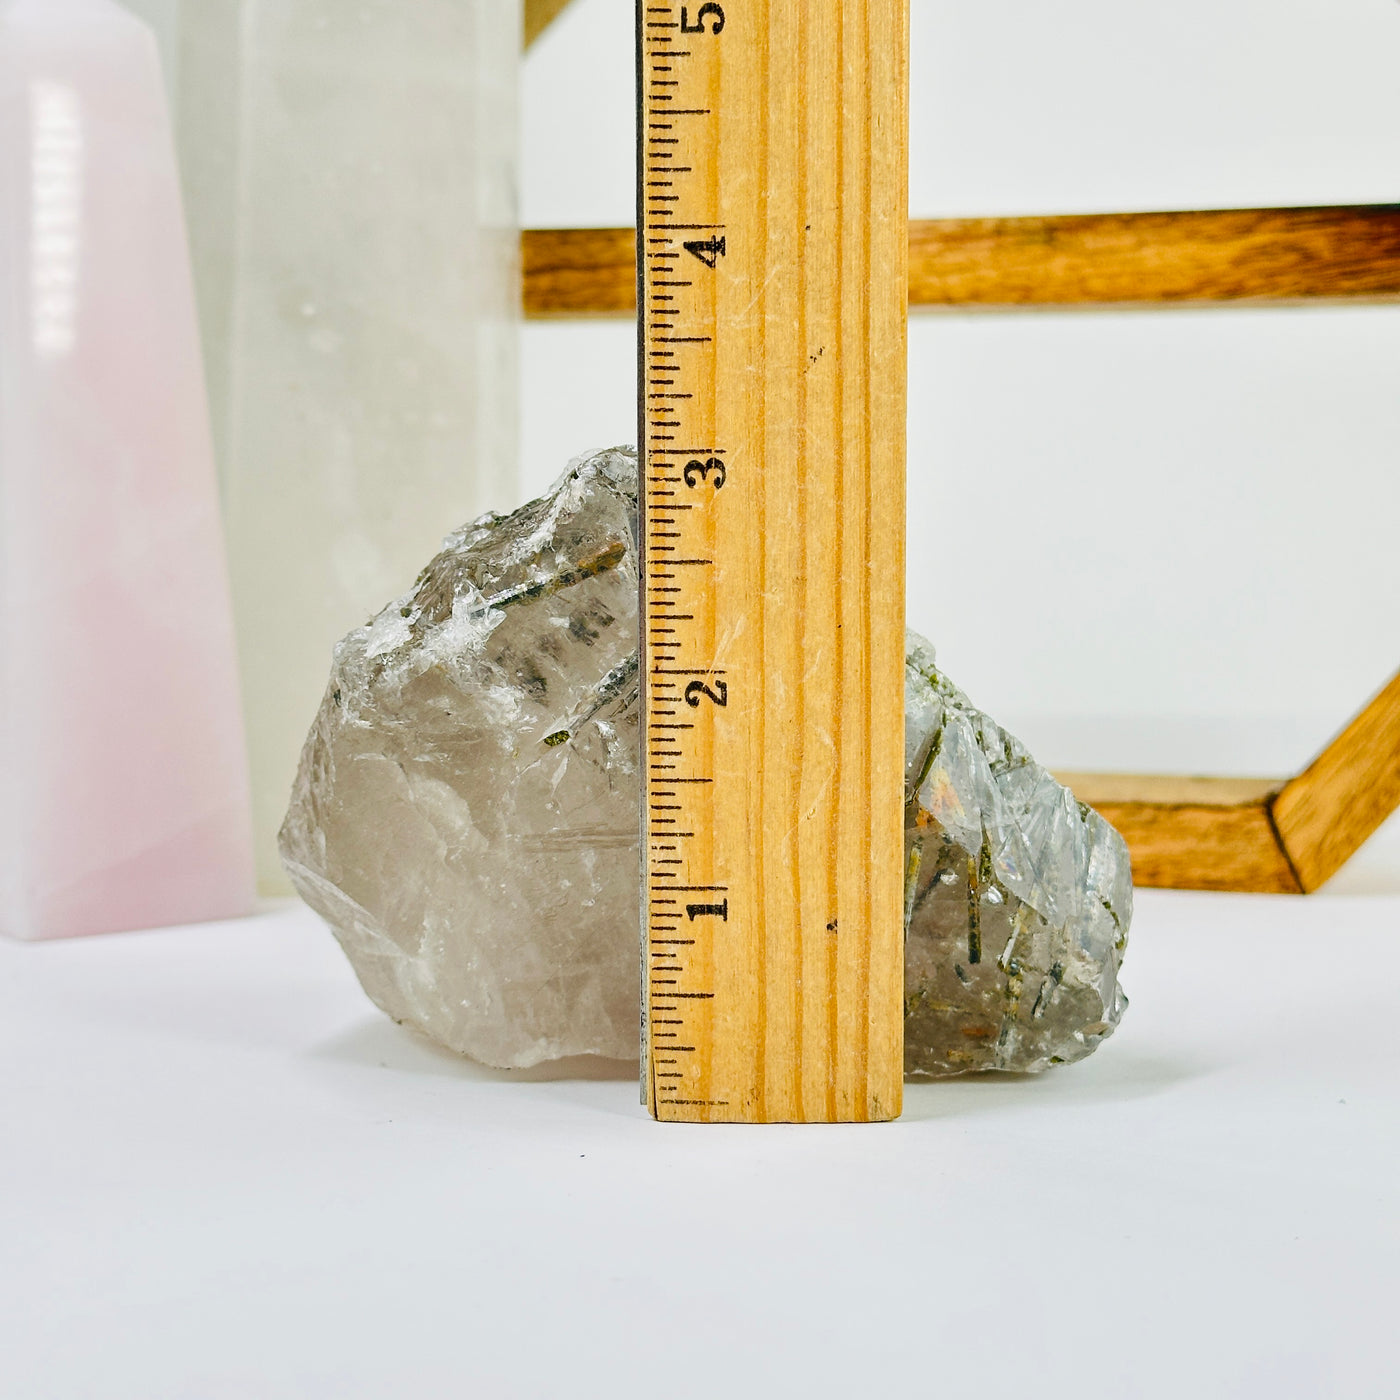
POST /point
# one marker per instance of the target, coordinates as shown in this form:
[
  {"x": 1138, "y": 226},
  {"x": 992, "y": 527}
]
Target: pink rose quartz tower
[{"x": 123, "y": 785}]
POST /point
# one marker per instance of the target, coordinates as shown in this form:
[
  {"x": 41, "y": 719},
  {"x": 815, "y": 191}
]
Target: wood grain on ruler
[
  {"x": 1352, "y": 786},
  {"x": 1329, "y": 253},
  {"x": 774, "y": 366}
]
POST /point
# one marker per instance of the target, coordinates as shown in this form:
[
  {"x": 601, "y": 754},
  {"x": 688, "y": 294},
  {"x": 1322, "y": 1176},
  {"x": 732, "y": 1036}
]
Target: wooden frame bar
[{"x": 1341, "y": 253}]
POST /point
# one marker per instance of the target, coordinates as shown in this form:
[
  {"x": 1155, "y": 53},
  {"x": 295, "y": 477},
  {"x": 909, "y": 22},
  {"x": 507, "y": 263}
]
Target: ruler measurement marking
[{"x": 660, "y": 325}]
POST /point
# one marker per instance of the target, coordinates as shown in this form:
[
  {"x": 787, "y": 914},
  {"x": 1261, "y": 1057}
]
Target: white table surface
[{"x": 224, "y": 1174}]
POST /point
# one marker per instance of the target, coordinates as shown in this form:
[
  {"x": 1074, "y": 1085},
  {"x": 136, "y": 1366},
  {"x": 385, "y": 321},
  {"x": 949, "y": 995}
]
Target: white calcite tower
[
  {"x": 123, "y": 779},
  {"x": 349, "y": 171}
]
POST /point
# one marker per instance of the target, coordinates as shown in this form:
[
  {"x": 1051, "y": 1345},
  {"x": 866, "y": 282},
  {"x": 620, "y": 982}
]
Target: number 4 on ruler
[{"x": 709, "y": 250}]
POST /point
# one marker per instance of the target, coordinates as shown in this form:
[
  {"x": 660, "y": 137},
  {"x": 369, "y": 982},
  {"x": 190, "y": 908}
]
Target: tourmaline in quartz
[
  {"x": 1017, "y": 897},
  {"x": 466, "y": 814}
]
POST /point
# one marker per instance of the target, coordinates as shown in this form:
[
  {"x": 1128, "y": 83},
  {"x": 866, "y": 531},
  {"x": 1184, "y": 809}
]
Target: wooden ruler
[{"x": 772, "y": 293}]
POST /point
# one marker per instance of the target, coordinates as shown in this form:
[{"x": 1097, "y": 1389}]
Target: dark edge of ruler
[{"x": 643, "y": 845}]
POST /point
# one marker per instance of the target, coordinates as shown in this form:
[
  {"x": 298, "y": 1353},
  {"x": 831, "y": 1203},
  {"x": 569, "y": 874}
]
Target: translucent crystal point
[{"x": 466, "y": 818}]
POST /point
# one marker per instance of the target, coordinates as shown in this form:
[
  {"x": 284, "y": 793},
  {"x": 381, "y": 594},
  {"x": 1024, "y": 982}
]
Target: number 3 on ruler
[
  {"x": 699, "y": 26},
  {"x": 697, "y": 471}
]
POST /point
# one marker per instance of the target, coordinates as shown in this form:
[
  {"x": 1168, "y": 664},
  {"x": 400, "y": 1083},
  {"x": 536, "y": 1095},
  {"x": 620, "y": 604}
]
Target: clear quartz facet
[{"x": 466, "y": 818}]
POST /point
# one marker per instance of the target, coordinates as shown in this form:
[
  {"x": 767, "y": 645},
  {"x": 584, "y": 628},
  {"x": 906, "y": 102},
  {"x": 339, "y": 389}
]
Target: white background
[
  {"x": 1143, "y": 541},
  {"x": 228, "y": 1177}
]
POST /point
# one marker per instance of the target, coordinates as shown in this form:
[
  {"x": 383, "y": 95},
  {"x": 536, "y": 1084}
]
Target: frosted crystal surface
[{"x": 466, "y": 818}]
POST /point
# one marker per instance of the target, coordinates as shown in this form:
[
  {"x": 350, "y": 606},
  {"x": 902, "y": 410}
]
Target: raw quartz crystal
[
  {"x": 466, "y": 811},
  {"x": 1017, "y": 896},
  {"x": 466, "y": 818}
]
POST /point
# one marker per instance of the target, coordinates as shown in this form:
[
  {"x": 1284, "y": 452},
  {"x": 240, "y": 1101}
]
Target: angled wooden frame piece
[
  {"x": 539, "y": 15},
  {"x": 1240, "y": 834},
  {"x": 1283, "y": 837}
]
